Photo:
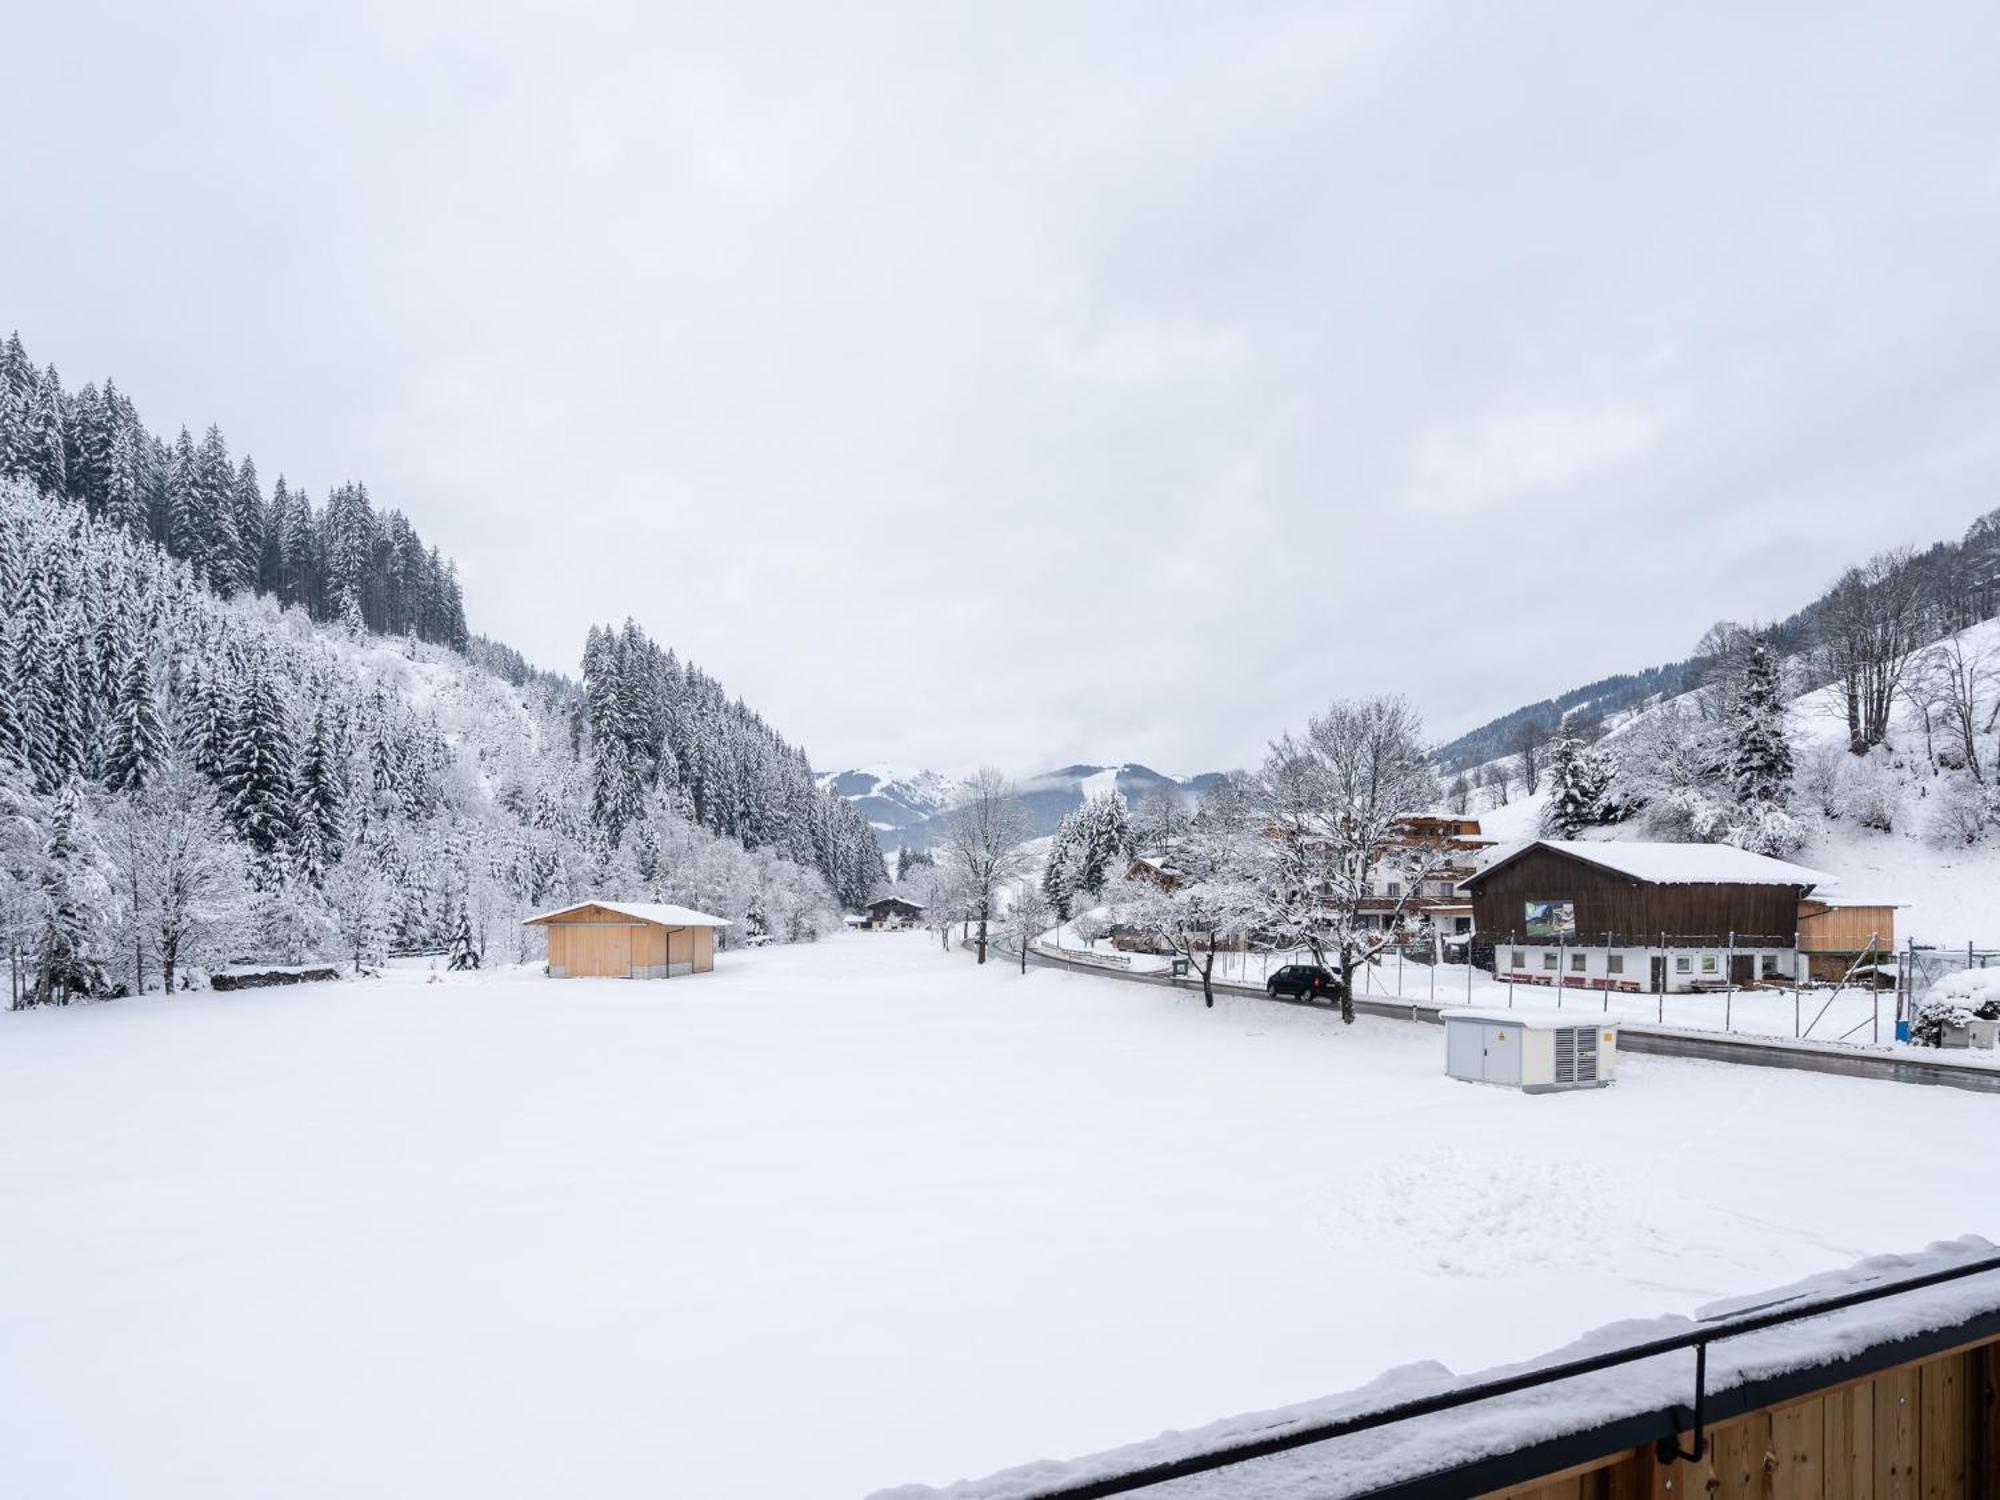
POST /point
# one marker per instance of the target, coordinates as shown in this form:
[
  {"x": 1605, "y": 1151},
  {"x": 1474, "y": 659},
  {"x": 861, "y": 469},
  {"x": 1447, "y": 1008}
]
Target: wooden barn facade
[
  {"x": 1638, "y": 917},
  {"x": 628, "y": 940}
]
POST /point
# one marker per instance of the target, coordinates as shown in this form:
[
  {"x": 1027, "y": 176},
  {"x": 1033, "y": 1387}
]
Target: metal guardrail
[{"x": 1669, "y": 1449}]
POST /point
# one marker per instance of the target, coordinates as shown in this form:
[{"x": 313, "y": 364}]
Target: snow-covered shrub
[
  {"x": 1821, "y": 779},
  {"x": 1937, "y": 1014},
  {"x": 1976, "y": 989},
  {"x": 1871, "y": 791},
  {"x": 1962, "y": 813},
  {"x": 1765, "y": 829}
]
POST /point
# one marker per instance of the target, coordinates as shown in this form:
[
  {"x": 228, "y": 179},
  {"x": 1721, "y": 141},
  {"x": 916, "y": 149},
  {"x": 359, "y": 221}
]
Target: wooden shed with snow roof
[{"x": 628, "y": 940}]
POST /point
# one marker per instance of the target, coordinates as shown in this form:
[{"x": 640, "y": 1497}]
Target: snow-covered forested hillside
[
  {"x": 342, "y": 560},
  {"x": 190, "y": 780},
  {"x": 665, "y": 731}
]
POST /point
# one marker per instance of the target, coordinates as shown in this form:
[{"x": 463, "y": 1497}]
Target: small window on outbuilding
[
  {"x": 1520, "y": 960},
  {"x": 1683, "y": 964},
  {"x": 1548, "y": 961},
  {"x": 1708, "y": 963},
  {"x": 1614, "y": 963},
  {"x": 1579, "y": 963}
]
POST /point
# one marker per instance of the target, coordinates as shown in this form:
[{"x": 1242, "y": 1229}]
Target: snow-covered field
[{"x": 835, "y": 1217}]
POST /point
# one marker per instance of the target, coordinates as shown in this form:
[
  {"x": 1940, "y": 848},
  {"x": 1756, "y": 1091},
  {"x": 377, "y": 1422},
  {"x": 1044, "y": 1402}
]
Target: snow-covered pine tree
[
  {"x": 320, "y": 798},
  {"x": 44, "y": 451},
  {"x": 464, "y": 952},
  {"x": 1576, "y": 789},
  {"x": 1109, "y": 830},
  {"x": 13, "y": 732},
  {"x": 68, "y": 728},
  {"x": 1058, "y": 873},
  {"x": 183, "y": 500},
  {"x": 256, "y": 779},
  {"x": 125, "y": 501},
  {"x": 135, "y": 745},
  {"x": 88, "y": 450},
  {"x": 72, "y": 894},
  {"x": 248, "y": 521},
  {"x": 1760, "y": 764}
]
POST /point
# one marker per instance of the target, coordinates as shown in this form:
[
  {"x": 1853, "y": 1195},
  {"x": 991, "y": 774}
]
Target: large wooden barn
[
  {"x": 628, "y": 940},
  {"x": 1657, "y": 918}
]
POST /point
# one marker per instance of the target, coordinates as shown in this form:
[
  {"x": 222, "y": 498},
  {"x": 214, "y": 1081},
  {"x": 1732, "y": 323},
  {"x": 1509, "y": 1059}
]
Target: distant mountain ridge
[{"x": 903, "y": 805}]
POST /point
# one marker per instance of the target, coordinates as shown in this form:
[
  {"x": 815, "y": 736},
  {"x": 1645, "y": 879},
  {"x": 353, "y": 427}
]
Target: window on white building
[
  {"x": 1579, "y": 964},
  {"x": 1708, "y": 963},
  {"x": 1614, "y": 963},
  {"x": 1519, "y": 960},
  {"x": 1683, "y": 965},
  {"x": 1548, "y": 960}
]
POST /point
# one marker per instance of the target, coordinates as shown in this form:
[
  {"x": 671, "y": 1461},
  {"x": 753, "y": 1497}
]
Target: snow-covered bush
[
  {"x": 1937, "y": 1014},
  {"x": 1976, "y": 989},
  {"x": 1963, "y": 812},
  {"x": 1871, "y": 793},
  {"x": 1764, "y": 829},
  {"x": 1821, "y": 779}
]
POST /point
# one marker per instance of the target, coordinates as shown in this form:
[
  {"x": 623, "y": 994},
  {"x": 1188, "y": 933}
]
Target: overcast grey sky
[{"x": 1027, "y": 383}]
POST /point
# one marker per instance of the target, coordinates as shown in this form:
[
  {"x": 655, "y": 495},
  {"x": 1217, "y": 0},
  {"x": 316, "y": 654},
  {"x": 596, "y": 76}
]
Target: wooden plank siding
[
  {"x": 1845, "y": 929},
  {"x": 1609, "y": 902},
  {"x": 592, "y": 950},
  {"x": 1923, "y": 1431},
  {"x": 596, "y": 942}
]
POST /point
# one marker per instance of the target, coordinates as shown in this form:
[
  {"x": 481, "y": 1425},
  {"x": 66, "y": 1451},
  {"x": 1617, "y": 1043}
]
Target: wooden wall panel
[
  {"x": 1845, "y": 929},
  {"x": 1983, "y": 1413},
  {"x": 1941, "y": 1433},
  {"x": 1896, "y": 1435},
  {"x": 600, "y": 952},
  {"x": 1850, "y": 1442},
  {"x": 1739, "y": 1460},
  {"x": 649, "y": 946},
  {"x": 1798, "y": 1444}
]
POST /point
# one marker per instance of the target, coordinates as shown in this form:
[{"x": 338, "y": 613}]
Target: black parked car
[{"x": 1303, "y": 982}]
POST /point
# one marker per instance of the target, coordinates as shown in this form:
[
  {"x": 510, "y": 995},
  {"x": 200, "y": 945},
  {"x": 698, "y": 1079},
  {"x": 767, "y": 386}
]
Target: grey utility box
[{"x": 1536, "y": 1051}]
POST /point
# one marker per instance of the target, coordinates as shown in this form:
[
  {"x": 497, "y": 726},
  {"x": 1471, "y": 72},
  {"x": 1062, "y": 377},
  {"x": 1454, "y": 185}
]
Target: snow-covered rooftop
[
  {"x": 662, "y": 912},
  {"x": 1670, "y": 864}
]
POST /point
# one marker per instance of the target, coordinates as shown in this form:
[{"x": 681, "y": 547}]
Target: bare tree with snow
[
  {"x": 1339, "y": 799},
  {"x": 1871, "y": 625},
  {"x": 1220, "y": 891},
  {"x": 982, "y": 846}
]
